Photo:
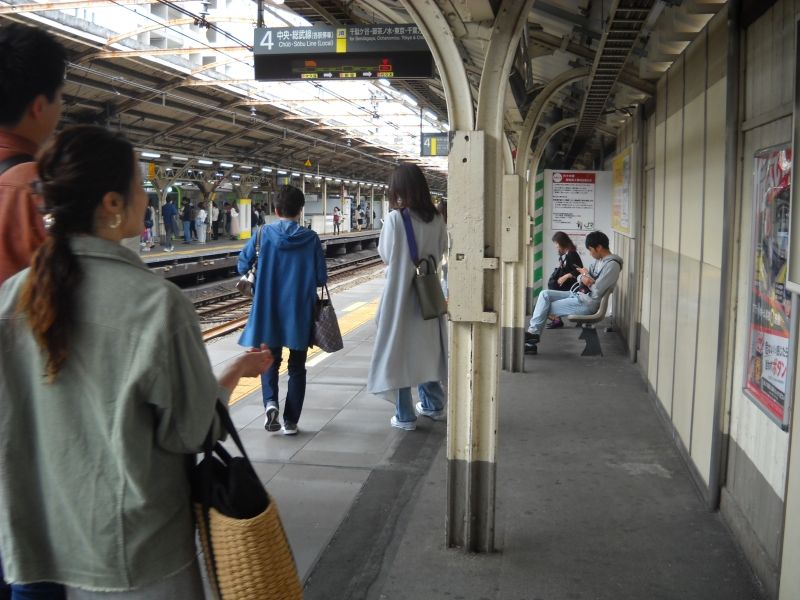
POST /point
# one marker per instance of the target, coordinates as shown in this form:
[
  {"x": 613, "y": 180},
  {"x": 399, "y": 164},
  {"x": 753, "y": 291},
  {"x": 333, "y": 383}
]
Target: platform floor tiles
[{"x": 593, "y": 501}]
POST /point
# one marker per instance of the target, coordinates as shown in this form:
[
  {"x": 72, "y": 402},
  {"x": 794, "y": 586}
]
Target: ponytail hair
[{"x": 76, "y": 169}]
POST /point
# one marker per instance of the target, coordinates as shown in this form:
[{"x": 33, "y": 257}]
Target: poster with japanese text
[
  {"x": 621, "y": 193},
  {"x": 573, "y": 201},
  {"x": 768, "y": 367}
]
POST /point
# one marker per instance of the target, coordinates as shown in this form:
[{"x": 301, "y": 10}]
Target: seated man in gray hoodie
[{"x": 585, "y": 296}]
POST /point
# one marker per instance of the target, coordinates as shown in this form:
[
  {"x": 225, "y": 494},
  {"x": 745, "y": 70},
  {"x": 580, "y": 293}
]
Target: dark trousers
[
  {"x": 215, "y": 229},
  {"x": 337, "y": 228},
  {"x": 296, "y": 392}
]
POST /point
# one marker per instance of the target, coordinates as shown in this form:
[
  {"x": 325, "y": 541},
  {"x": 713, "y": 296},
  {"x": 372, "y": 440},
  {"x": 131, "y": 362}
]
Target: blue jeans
[
  {"x": 554, "y": 302},
  {"x": 38, "y": 591},
  {"x": 296, "y": 392},
  {"x": 431, "y": 394},
  {"x": 187, "y": 231}
]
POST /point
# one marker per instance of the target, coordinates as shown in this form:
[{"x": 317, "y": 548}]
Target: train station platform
[{"x": 593, "y": 500}]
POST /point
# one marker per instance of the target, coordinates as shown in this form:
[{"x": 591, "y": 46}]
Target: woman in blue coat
[{"x": 291, "y": 265}]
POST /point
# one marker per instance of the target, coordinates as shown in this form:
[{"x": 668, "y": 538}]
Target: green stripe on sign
[
  {"x": 538, "y": 256},
  {"x": 538, "y": 251},
  {"x": 537, "y": 238},
  {"x": 538, "y": 220}
]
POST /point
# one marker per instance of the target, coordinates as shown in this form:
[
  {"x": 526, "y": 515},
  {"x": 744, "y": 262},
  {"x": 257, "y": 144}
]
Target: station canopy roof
[{"x": 177, "y": 79}]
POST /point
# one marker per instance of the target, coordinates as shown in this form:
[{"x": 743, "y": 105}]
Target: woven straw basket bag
[
  {"x": 247, "y": 554},
  {"x": 252, "y": 557}
]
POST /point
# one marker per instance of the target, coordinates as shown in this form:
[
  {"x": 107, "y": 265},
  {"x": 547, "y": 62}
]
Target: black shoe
[
  {"x": 531, "y": 348},
  {"x": 271, "y": 418},
  {"x": 555, "y": 324},
  {"x": 531, "y": 337}
]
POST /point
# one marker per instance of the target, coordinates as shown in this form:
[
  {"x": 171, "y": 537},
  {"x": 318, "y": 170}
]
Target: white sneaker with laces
[
  {"x": 289, "y": 429},
  {"x": 404, "y": 425},
  {"x": 436, "y": 415},
  {"x": 271, "y": 418}
]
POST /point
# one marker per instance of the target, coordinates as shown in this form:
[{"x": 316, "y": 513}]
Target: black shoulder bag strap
[{"x": 14, "y": 161}]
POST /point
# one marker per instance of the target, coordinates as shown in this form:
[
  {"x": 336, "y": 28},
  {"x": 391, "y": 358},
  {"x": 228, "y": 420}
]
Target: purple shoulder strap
[{"x": 412, "y": 241}]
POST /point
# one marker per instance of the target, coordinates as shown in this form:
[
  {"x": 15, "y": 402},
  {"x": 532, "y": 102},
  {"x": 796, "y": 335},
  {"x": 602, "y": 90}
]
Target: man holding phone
[{"x": 585, "y": 296}]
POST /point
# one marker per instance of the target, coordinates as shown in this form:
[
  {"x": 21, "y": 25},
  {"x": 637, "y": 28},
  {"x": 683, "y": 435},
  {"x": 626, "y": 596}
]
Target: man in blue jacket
[{"x": 291, "y": 265}]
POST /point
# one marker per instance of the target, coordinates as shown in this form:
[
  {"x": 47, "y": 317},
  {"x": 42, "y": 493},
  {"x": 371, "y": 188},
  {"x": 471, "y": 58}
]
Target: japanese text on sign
[{"x": 573, "y": 200}]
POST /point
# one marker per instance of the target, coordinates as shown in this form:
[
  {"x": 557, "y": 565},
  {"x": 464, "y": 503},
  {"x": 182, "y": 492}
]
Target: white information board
[{"x": 573, "y": 195}]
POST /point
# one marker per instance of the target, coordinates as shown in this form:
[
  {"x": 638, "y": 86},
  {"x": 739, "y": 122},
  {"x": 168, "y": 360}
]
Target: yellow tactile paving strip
[{"x": 350, "y": 319}]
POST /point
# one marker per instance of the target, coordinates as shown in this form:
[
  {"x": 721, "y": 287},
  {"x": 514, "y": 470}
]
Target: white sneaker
[
  {"x": 289, "y": 429},
  {"x": 404, "y": 425},
  {"x": 436, "y": 415},
  {"x": 271, "y": 418}
]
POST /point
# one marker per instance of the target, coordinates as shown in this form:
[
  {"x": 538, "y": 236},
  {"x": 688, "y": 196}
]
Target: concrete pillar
[{"x": 324, "y": 206}]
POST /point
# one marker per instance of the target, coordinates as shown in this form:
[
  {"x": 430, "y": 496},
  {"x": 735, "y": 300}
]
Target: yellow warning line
[{"x": 348, "y": 322}]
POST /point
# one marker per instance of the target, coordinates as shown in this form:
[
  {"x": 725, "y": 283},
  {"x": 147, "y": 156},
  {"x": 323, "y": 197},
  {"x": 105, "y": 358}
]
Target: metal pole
[{"x": 727, "y": 291}]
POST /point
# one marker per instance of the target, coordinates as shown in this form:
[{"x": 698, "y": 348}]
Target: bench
[{"x": 587, "y": 322}]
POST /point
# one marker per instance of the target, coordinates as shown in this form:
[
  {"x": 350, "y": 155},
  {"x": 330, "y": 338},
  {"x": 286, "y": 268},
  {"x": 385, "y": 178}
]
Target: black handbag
[
  {"x": 426, "y": 279},
  {"x": 247, "y": 282},
  {"x": 325, "y": 333}
]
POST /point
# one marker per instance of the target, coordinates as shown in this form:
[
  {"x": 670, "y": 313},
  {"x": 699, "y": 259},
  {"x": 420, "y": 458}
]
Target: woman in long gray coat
[{"x": 408, "y": 349}]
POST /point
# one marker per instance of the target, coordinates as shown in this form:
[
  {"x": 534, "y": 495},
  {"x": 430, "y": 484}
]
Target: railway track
[{"x": 227, "y": 311}]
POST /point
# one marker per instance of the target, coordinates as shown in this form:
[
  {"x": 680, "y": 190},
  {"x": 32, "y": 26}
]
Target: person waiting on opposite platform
[
  {"x": 169, "y": 215},
  {"x": 566, "y": 273},
  {"x": 186, "y": 220},
  {"x": 337, "y": 220},
  {"x": 107, "y": 392},
  {"x": 586, "y": 294},
  {"x": 235, "y": 228},
  {"x": 291, "y": 265},
  {"x": 200, "y": 222},
  {"x": 409, "y": 350},
  {"x": 214, "y": 221}
]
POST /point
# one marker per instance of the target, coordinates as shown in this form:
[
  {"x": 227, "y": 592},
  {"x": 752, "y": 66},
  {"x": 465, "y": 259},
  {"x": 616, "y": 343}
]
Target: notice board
[{"x": 621, "y": 181}]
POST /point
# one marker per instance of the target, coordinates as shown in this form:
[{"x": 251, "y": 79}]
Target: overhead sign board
[
  {"x": 352, "y": 52},
  {"x": 434, "y": 144}
]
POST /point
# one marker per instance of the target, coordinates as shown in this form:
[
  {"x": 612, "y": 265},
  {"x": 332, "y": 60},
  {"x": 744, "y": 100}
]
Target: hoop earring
[{"x": 117, "y": 221}]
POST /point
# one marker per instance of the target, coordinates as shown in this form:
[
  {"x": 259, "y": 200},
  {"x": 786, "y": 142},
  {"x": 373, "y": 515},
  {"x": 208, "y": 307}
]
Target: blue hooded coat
[{"x": 291, "y": 265}]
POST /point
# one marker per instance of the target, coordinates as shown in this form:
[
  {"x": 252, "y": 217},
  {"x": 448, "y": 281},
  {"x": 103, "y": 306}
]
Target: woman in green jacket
[{"x": 106, "y": 388}]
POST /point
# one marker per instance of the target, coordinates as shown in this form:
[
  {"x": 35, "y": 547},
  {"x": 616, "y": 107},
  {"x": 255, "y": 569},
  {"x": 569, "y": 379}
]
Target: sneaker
[
  {"x": 436, "y": 415},
  {"x": 531, "y": 348},
  {"x": 405, "y": 425},
  {"x": 271, "y": 418},
  {"x": 531, "y": 338},
  {"x": 289, "y": 428}
]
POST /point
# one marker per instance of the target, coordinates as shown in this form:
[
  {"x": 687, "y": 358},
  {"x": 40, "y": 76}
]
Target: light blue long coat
[{"x": 408, "y": 349}]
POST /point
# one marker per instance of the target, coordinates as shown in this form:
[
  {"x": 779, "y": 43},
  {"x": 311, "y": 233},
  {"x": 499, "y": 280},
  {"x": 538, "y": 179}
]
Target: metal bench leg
[{"x": 589, "y": 335}]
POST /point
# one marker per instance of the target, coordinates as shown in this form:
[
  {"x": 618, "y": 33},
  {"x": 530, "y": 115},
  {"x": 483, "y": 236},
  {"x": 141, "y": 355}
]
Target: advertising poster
[
  {"x": 621, "y": 193},
  {"x": 768, "y": 370},
  {"x": 573, "y": 201}
]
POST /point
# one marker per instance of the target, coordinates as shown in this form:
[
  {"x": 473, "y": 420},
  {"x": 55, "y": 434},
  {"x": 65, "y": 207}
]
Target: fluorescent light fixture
[
  {"x": 204, "y": 161},
  {"x": 317, "y": 177},
  {"x": 182, "y": 158},
  {"x": 294, "y": 174},
  {"x": 385, "y": 82},
  {"x": 255, "y": 187},
  {"x": 226, "y": 165},
  {"x": 429, "y": 115},
  {"x": 219, "y": 174},
  {"x": 307, "y": 175},
  {"x": 246, "y": 167},
  {"x": 266, "y": 169},
  {"x": 237, "y": 176},
  {"x": 151, "y": 155},
  {"x": 338, "y": 181},
  {"x": 281, "y": 172},
  {"x": 408, "y": 99},
  {"x": 329, "y": 179},
  {"x": 347, "y": 181}
]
